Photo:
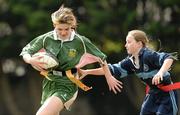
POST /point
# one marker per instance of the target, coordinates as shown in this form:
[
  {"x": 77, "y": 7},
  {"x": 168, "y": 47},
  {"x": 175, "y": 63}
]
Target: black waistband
[{"x": 73, "y": 70}]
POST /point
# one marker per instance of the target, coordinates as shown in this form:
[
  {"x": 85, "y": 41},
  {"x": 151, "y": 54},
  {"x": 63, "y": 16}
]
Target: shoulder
[
  {"x": 126, "y": 61},
  {"x": 149, "y": 53},
  {"x": 81, "y": 37},
  {"x": 152, "y": 56},
  {"x": 46, "y": 35}
]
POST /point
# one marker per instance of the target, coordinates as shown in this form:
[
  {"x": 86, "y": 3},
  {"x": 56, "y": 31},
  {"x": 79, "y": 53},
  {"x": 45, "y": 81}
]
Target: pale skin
[
  {"x": 113, "y": 83},
  {"x": 133, "y": 47}
]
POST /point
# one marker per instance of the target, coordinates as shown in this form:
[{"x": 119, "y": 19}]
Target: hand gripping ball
[{"x": 49, "y": 60}]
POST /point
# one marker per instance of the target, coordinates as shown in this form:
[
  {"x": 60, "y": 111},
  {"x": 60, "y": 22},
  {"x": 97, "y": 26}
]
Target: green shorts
[{"x": 60, "y": 86}]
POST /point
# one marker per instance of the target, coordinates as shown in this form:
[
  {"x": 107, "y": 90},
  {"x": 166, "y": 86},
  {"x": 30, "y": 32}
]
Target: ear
[{"x": 140, "y": 43}]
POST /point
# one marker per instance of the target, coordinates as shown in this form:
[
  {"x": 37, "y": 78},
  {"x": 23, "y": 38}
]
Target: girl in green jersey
[{"x": 69, "y": 47}]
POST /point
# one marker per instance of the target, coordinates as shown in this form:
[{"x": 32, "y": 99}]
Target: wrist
[
  {"x": 27, "y": 58},
  {"x": 161, "y": 73}
]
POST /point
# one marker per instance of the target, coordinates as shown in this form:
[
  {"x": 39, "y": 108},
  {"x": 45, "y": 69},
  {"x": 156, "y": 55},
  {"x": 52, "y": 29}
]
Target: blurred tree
[{"x": 106, "y": 23}]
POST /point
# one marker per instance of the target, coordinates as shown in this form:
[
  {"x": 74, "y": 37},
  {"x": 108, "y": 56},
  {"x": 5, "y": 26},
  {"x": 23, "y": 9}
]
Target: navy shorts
[{"x": 158, "y": 102}]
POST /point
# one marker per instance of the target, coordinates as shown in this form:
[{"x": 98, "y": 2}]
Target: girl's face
[
  {"x": 132, "y": 46},
  {"x": 63, "y": 30}
]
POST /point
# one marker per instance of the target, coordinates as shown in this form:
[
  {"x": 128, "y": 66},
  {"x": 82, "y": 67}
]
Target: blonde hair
[
  {"x": 64, "y": 16},
  {"x": 139, "y": 36}
]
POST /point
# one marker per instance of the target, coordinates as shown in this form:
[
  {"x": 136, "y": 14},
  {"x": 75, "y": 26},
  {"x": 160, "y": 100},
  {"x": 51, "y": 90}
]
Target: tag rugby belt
[
  {"x": 166, "y": 88},
  {"x": 70, "y": 74},
  {"x": 169, "y": 87}
]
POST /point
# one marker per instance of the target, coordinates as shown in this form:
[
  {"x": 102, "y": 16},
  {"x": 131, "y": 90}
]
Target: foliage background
[{"x": 106, "y": 23}]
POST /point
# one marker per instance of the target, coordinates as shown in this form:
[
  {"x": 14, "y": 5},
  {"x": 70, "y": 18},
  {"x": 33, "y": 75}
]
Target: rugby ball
[{"x": 49, "y": 60}]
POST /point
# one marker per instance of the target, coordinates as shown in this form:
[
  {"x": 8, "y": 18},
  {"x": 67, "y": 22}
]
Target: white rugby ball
[{"x": 49, "y": 60}]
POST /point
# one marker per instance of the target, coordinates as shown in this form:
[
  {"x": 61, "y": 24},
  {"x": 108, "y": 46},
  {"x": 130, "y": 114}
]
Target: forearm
[
  {"x": 106, "y": 70},
  {"x": 164, "y": 68},
  {"x": 166, "y": 65},
  {"x": 98, "y": 71}
]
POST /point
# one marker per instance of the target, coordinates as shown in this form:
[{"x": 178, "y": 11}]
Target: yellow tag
[
  {"x": 45, "y": 74},
  {"x": 77, "y": 81}
]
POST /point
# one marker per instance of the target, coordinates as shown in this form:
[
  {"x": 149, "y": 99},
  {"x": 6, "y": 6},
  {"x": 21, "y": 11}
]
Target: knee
[
  {"x": 43, "y": 112},
  {"x": 40, "y": 113},
  {"x": 47, "y": 112}
]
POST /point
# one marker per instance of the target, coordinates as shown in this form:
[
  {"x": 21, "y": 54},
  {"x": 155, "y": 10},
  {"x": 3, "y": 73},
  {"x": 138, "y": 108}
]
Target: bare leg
[{"x": 52, "y": 106}]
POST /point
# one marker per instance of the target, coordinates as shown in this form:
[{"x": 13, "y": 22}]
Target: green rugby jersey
[{"x": 68, "y": 52}]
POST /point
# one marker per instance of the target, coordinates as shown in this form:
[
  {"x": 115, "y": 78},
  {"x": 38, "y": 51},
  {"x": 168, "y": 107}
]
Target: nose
[
  {"x": 63, "y": 33},
  {"x": 125, "y": 45}
]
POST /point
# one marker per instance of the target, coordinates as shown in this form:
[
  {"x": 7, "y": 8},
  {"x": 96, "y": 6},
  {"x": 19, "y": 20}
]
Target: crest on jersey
[
  {"x": 146, "y": 67},
  {"x": 72, "y": 53}
]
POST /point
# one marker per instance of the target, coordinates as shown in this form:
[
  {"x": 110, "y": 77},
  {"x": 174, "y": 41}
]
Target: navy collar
[{"x": 142, "y": 50}]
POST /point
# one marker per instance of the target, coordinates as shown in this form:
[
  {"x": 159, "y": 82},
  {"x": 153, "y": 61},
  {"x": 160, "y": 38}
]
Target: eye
[
  {"x": 128, "y": 42},
  {"x": 58, "y": 29}
]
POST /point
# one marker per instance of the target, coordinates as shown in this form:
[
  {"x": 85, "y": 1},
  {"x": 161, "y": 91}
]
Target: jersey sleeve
[
  {"x": 92, "y": 49},
  {"x": 157, "y": 58},
  {"x": 121, "y": 69},
  {"x": 34, "y": 46}
]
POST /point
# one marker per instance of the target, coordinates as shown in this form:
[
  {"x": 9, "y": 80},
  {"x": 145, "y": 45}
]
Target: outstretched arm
[
  {"x": 97, "y": 71},
  {"x": 113, "y": 83},
  {"x": 164, "y": 68}
]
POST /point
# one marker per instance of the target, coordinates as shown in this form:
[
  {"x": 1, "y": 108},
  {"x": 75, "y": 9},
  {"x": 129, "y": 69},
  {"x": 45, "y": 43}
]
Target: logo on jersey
[
  {"x": 146, "y": 67},
  {"x": 72, "y": 53}
]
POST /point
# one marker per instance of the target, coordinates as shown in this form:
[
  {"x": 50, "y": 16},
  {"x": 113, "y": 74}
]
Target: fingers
[
  {"x": 116, "y": 86},
  {"x": 154, "y": 80},
  {"x": 36, "y": 58},
  {"x": 81, "y": 73},
  {"x": 38, "y": 68},
  {"x": 119, "y": 82},
  {"x": 79, "y": 70},
  {"x": 116, "y": 89},
  {"x": 161, "y": 78},
  {"x": 120, "y": 85},
  {"x": 157, "y": 79},
  {"x": 82, "y": 76},
  {"x": 40, "y": 63}
]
